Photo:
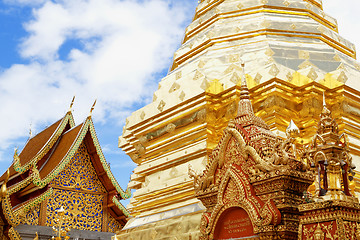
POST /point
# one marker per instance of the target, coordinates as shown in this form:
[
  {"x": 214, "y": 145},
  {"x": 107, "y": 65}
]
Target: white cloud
[{"x": 121, "y": 45}]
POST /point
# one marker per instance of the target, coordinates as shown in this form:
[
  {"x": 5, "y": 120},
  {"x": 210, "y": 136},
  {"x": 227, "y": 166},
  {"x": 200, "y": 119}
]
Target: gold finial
[
  {"x": 92, "y": 108},
  {"x": 325, "y": 111},
  {"x": 292, "y": 130},
  {"x": 243, "y": 77},
  {"x": 30, "y": 131},
  {"x": 245, "y": 107},
  {"x": 16, "y": 155},
  {"x": 244, "y": 91},
  {"x": 7, "y": 176},
  {"x": 71, "y": 104}
]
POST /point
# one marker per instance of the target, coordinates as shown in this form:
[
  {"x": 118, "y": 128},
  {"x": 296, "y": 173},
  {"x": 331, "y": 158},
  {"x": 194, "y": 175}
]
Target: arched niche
[{"x": 234, "y": 223}]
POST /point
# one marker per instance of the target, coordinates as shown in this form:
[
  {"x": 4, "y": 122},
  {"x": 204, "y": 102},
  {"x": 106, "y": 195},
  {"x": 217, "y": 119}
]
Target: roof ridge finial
[
  {"x": 71, "y": 104},
  {"x": 92, "y": 108},
  {"x": 30, "y": 131},
  {"x": 244, "y": 91}
]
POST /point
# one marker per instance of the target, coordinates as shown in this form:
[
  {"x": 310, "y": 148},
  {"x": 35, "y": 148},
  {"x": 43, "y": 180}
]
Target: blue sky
[{"x": 115, "y": 51}]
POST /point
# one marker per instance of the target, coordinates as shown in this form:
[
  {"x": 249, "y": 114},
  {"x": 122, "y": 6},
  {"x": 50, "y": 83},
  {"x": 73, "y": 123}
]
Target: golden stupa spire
[
  {"x": 325, "y": 113},
  {"x": 278, "y": 48},
  {"x": 245, "y": 106},
  {"x": 244, "y": 91}
]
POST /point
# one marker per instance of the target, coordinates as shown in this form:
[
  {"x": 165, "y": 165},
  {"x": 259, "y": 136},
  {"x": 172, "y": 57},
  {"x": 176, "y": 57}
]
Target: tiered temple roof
[{"x": 46, "y": 166}]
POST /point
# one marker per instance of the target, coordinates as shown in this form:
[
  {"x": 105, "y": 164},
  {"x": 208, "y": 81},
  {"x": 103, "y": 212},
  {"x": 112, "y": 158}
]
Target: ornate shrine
[
  {"x": 333, "y": 212},
  {"x": 253, "y": 186},
  {"x": 62, "y": 166},
  {"x": 254, "y": 180}
]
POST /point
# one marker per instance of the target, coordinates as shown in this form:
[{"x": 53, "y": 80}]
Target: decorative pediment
[
  {"x": 225, "y": 184},
  {"x": 236, "y": 186}
]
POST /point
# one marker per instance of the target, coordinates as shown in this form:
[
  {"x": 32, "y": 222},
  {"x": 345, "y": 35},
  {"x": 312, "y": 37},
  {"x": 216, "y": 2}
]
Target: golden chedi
[{"x": 293, "y": 53}]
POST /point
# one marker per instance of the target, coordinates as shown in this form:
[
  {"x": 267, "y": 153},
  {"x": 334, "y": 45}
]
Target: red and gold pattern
[
  {"x": 238, "y": 181},
  {"x": 333, "y": 212}
]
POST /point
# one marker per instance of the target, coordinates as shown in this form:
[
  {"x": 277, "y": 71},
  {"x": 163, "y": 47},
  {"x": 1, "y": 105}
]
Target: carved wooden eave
[{"x": 28, "y": 182}]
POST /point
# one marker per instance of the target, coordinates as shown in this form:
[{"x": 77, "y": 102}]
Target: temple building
[
  {"x": 62, "y": 167},
  {"x": 293, "y": 54}
]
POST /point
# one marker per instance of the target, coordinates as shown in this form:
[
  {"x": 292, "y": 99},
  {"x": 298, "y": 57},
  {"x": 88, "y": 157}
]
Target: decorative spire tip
[
  {"x": 71, "y": 104},
  {"x": 292, "y": 130},
  {"x": 30, "y": 131},
  {"x": 244, "y": 91},
  {"x": 92, "y": 108}
]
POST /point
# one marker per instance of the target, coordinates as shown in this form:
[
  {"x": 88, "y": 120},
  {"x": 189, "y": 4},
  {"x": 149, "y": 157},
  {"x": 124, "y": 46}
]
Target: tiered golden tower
[{"x": 293, "y": 53}]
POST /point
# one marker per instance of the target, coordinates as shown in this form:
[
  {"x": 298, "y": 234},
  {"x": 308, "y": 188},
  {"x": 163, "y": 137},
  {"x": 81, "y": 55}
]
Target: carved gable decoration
[
  {"x": 79, "y": 189},
  {"x": 225, "y": 187},
  {"x": 79, "y": 174},
  {"x": 62, "y": 166},
  {"x": 251, "y": 176}
]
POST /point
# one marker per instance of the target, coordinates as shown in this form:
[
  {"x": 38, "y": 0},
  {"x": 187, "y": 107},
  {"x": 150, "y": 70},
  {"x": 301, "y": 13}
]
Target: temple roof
[
  {"x": 35, "y": 144},
  {"x": 46, "y": 155}
]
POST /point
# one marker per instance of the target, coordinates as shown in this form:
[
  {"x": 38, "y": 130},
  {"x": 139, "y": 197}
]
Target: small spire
[
  {"x": 244, "y": 91},
  {"x": 16, "y": 155},
  {"x": 30, "y": 131},
  {"x": 245, "y": 107},
  {"x": 71, "y": 104},
  {"x": 92, "y": 108},
  {"x": 325, "y": 111},
  {"x": 292, "y": 130}
]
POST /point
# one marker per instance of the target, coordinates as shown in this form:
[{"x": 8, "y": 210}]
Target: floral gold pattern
[
  {"x": 79, "y": 174},
  {"x": 84, "y": 210}
]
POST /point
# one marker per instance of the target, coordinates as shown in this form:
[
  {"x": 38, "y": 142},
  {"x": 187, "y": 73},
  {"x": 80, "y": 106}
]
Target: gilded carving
[
  {"x": 31, "y": 217},
  {"x": 79, "y": 174},
  {"x": 238, "y": 172},
  {"x": 84, "y": 210},
  {"x": 114, "y": 226},
  {"x": 329, "y": 155},
  {"x": 78, "y": 189},
  {"x": 333, "y": 208}
]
